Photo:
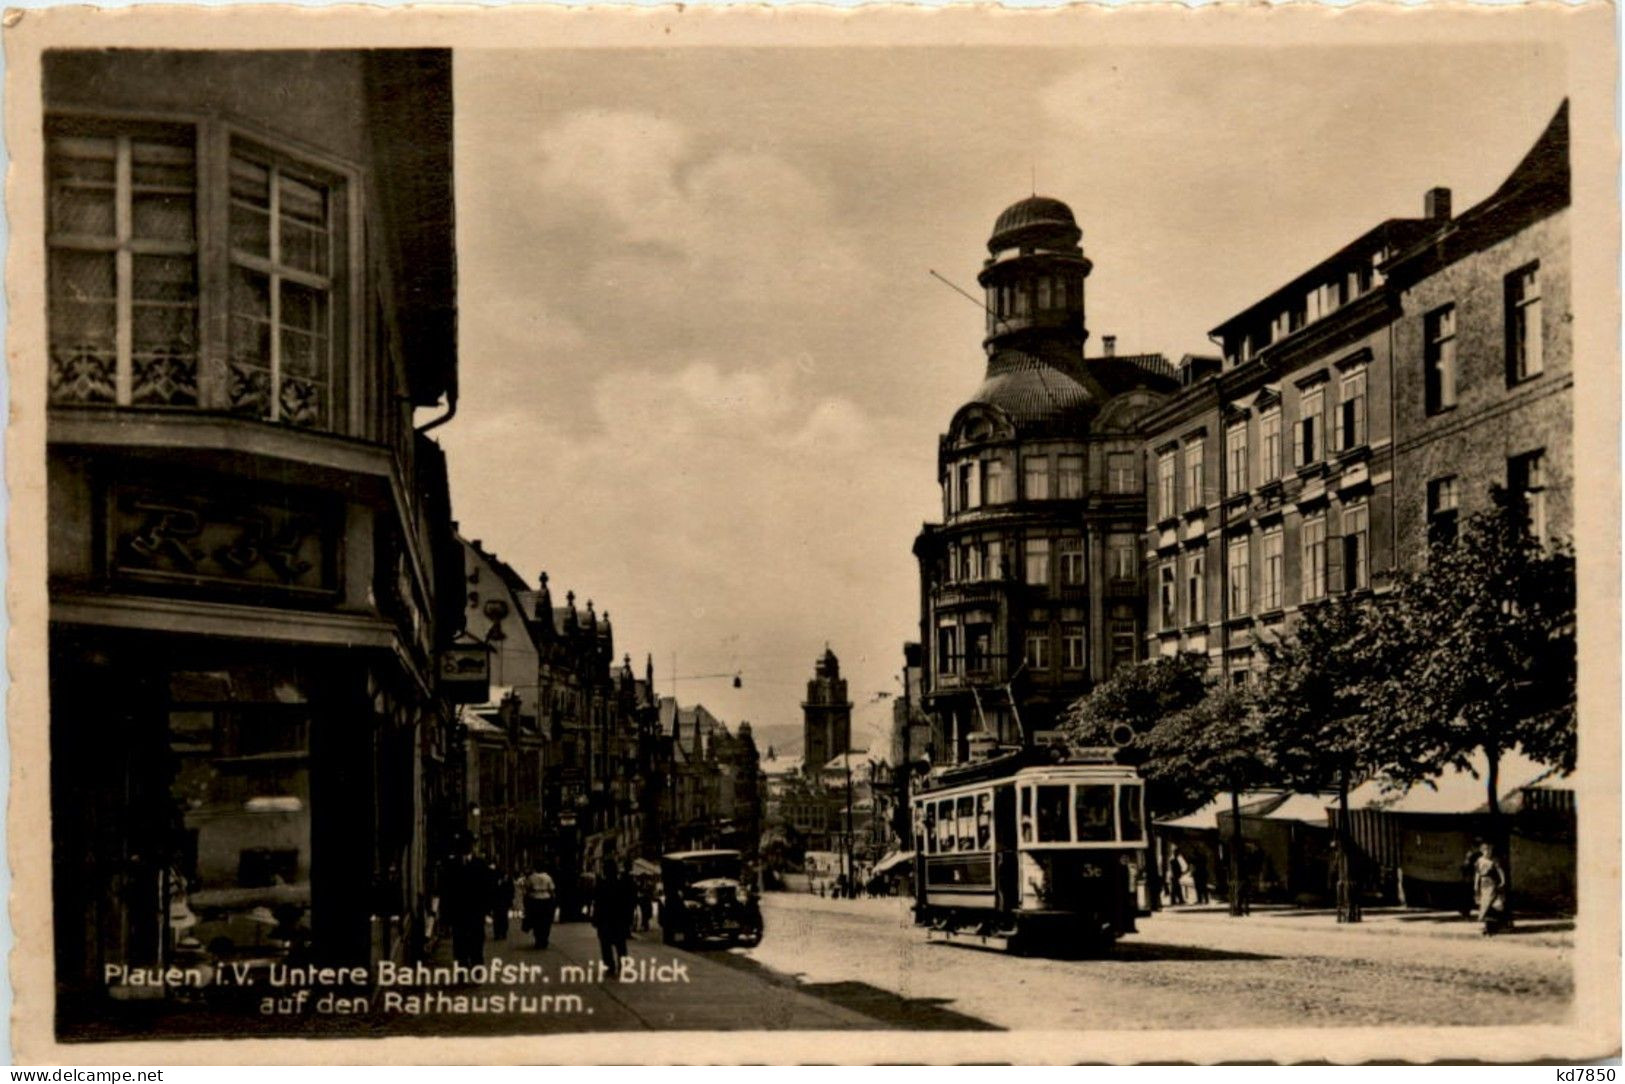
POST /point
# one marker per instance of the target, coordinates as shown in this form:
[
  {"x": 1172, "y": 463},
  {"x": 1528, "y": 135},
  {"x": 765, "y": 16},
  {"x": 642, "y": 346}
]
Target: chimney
[
  {"x": 1436, "y": 205},
  {"x": 1109, "y": 345}
]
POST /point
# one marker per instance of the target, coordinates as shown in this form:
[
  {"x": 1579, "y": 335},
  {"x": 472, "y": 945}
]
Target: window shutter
[
  {"x": 1298, "y": 443},
  {"x": 1334, "y": 564}
]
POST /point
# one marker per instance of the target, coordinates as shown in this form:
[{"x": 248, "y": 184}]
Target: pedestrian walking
[
  {"x": 1199, "y": 874},
  {"x": 612, "y": 905},
  {"x": 541, "y": 903},
  {"x": 1176, "y": 871},
  {"x": 465, "y": 899},
  {"x": 1469, "y": 879},
  {"x": 501, "y": 904},
  {"x": 1489, "y": 888}
]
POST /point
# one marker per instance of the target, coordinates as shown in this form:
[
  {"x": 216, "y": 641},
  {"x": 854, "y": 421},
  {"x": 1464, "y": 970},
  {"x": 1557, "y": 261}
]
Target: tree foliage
[
  {"x": 1140, "y": 697},
  {"x": 1487, "y": 629}
]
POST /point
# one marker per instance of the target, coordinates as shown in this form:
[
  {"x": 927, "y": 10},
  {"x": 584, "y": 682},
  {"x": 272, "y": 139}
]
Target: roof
[
  {"x": 1392, "y": 234},
  {"x": 685, "y": 855},
  {"x": 1031, "y": 389},
  {"x": 1537, "y": 186},
  {"x": 1455, "y": 791},
  {"x": 1208, "y": 815},
  {"x": 1032, "y": 215}
]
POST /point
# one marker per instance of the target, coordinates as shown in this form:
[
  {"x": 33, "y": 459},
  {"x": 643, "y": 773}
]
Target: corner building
[
  {"x": 250, "y": 288},
  {"x": 1031, "y": 587}
]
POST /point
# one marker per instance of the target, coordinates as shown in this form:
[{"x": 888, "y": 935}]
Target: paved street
[
  {"x": 860, "y": 964},
  {"x": 1181, "y": 970}
]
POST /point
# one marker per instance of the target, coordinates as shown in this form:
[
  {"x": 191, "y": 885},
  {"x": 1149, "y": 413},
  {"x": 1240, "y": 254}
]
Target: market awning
[{"x": 895, "y": 858}]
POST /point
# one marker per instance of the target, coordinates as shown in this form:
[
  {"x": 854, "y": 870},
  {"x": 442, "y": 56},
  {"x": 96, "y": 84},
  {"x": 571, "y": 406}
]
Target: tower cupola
[{"x": 1034, "y": 277}]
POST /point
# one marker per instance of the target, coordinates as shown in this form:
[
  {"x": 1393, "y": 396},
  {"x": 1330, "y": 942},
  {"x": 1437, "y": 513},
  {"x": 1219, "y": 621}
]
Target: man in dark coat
[
  {"x": 465, "y": 900},
  {"x": 612, "y": 904}
]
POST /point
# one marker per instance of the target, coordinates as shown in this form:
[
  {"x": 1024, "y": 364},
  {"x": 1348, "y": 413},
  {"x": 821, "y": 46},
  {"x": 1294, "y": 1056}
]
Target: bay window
[{"x": 132, "y": 237}]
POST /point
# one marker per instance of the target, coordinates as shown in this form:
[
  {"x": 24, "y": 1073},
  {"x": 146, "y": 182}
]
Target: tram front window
[
  {"x": 984, "y": 821},
  {"x": 1094, "y": 806},
  {"x": 1128, "y": 813},
  {"x": 1026, "y": 814},
  {"x": 1053, "y": 819},
  {"x": 967, "y": 823},
  {"x": 928, "y": 831},
  {"x": 945, "y": 826}
]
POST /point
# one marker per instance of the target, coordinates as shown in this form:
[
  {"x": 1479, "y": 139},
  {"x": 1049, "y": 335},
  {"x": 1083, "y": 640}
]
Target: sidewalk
[{"x": 1546, "y": 930}]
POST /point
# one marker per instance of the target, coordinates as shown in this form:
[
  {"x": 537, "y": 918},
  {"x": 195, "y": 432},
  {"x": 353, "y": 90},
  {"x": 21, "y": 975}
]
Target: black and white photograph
[{"x": 839, "y": 538}]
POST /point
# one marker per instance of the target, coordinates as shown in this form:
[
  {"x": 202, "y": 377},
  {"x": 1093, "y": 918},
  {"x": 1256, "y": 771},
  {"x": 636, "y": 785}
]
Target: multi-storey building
[
  {"x": 1031, "y": 586},
  {"x": 1346, "y": 419},
  {"x": 250, "y": 287},
  {"x": 503, "y": 739},
  {"x": 1483, "y": 387}
]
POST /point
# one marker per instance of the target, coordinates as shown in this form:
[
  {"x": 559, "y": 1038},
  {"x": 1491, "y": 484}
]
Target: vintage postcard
[{"x": 695, "y": 535}]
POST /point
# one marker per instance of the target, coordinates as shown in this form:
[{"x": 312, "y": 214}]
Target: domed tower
[
  {"x": 1030, "y": 585},
  {"x": 1034, "y": 277}
]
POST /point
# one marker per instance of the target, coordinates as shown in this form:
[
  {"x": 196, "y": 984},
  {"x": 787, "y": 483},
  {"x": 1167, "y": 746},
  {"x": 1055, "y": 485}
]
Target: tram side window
[
  {"x": 1026, "y": 814},
  {"x": 1053, "y": 816},
  {"x": 1094, "y": 804},
  {"x": 967, "y": 823},
  {"x": 984, "y": 821},
  {"x": 945, "y": 826},
  {"x": 1128, "y": 813},
  {"x": 929, "y": 832}
]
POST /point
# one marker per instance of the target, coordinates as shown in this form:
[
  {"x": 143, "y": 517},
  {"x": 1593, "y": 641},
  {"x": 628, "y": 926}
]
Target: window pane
[
  {"x": 1094, "y": 808},
  {"x": 965, "y": 816},
  {"x": 82, "y": 297},
  {"x": 304, "y": 330},
  {"x": 1053, "y": 819},
  {"x": 984, "y": 821},
  {"x": 250, "y": 207},
  {"x": 82, "y": 176},
  {"x": 1128, "y": 813}
]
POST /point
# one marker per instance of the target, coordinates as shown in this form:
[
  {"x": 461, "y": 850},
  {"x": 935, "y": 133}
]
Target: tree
[
  {"x": 1125, "y": 708},
  {"x": 1488, "y": 627},
  {"x": 1312, "y": 700},
  {"x": 1217, "y": 744}
]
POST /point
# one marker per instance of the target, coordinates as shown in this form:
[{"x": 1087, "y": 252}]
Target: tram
[{"x": 1038, "y": 849}]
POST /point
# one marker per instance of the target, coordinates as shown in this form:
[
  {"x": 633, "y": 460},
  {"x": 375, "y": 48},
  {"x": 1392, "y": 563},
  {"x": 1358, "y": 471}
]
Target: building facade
[
  {"x": 250, "y": 288},
  {"x": 1031, "y": 585},
  {"x": 1358, "y": 410},
  {"x": 1484, "y": 391}
]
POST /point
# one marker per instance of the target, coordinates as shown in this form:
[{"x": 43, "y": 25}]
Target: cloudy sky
[{"x": 704, "y": 367}]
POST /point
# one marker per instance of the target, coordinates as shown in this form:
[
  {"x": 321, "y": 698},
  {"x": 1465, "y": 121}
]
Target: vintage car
[{"x": 708, "y": 898}]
